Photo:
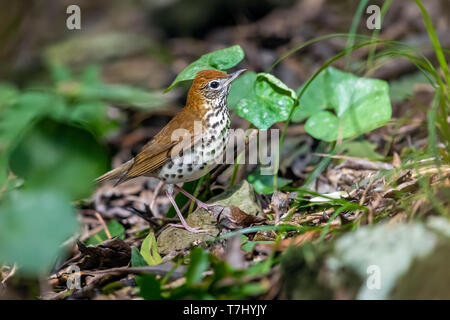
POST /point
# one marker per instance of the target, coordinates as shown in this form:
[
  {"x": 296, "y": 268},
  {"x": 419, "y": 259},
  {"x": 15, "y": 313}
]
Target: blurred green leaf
[
  {"x": 59, "y": 72},
  {"x": 199, "y": 263},
  {"x": 359, "y": 149},
  {"x": 95, "y": 47},
  {"x": 359, "y": 105},
  {"x": 249, "y": 245},
  {"x": 92, "y": 90},
  {"x": 26, "y": 109},
  {"x": 121, "y": 94},
  {"x": 149, "y": 287},
  {"x": 115, "y": 229},
  {"x": 253, "y": 289},
  {"x": 33, "y": 225},
  {"x": 8, "y": 94},
  {"x": 268, "y": 101},
  {"x": 136, "y": 258},
  {"x": 264, "y": 183},
  {"x": 403, "y": 88},
  {"x": 19, "y": 116},
  {"x": 59, "y": 155},
  {"x": 92, "y": 116},
  {"x": 219, "y": 60},
  {"x": 149, "y": 250},
  {"x": 260, "y": 268}
]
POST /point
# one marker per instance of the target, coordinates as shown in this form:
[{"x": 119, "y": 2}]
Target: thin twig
[{"x": 102, "y": 222}]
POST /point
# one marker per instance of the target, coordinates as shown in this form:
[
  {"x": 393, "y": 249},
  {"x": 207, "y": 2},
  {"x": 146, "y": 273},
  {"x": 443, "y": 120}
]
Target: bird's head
[{"x": 211, "y": 87}]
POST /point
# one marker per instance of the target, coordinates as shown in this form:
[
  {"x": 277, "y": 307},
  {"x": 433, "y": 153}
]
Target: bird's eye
[{"x": 214, "y": 84}]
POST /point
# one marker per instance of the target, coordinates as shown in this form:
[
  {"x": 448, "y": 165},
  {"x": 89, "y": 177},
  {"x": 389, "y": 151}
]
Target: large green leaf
[
  {"x": 266, "y": 100},
  {"x": 33, "y": 225},
  {"x": 24, "y": 110},
  {"x": 59, "y": 155},
  {"x": 219, "y": 60},
  {"x": 342, "y": 105}
]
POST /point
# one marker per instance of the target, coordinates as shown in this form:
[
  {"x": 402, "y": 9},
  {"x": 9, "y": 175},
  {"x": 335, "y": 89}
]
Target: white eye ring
[{"x": 214, "y": 84}]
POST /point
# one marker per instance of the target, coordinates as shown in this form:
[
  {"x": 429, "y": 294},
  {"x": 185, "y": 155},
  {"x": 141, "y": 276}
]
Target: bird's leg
[
  {"x": 200, "y": 204},
  {"x": 183, "y": 222}
]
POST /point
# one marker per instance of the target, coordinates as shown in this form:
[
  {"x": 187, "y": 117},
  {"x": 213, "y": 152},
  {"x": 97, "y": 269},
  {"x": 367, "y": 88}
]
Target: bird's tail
[{"x": 117, "y": 173}]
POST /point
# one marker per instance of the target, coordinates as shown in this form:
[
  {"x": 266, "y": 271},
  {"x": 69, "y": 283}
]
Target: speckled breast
[{"x": 204, "y": 155}]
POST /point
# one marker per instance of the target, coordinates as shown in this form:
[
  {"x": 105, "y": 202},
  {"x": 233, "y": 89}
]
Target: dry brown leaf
[
  {"x": 108, "y": 254},
  {"x": 234, "y": 218}
]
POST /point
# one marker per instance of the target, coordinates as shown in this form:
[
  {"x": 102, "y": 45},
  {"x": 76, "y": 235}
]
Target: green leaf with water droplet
[
  {"x": 222, "y": 59},
  {"x": 266, "y": 100}
]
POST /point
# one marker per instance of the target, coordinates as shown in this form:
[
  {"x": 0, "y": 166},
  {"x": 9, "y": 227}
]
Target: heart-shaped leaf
[
  {"x": 266, "y": 100},
  {"x": 222, "y": 59},
  {"x": 359, "y": 105}
]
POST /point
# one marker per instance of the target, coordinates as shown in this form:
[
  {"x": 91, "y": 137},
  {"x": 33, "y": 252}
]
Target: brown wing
[{"x": 157, "y": 152}]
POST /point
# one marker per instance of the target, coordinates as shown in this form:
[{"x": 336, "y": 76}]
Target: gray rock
[
  {"x": 241, "y": 195},
  {"x": 384, "y": 261},
  {"x": 379, "y": 255}
]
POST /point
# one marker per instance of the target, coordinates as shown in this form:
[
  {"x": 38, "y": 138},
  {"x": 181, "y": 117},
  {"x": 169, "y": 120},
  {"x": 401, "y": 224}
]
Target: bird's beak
[{"x": 234, "y": 75}]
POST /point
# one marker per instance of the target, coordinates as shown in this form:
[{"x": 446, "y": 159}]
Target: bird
[{"x": 190, "y": 144}]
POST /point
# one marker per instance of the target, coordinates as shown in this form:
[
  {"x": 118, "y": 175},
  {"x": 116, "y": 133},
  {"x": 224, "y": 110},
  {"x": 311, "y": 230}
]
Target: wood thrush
[{"x": 190, "y": 144}]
